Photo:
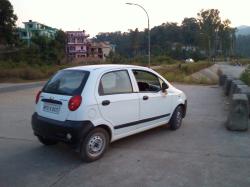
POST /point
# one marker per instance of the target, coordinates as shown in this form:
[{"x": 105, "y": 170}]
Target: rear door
[
  {"x": 55, "y": 96},
  {"x": 155, "y": 105},
  {"x": 116, "y": 100}
]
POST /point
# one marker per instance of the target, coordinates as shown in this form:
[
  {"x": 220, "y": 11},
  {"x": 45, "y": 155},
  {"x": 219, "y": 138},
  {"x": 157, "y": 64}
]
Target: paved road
[
  {"x": 11, "y": 87},
  {"x": 201, "y": 153},
  {"x": 234, "y": 71}
]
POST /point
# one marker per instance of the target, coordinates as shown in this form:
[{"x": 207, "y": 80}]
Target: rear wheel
[
  {"x": 46, "y": 141},
  {"x": 176, "y": 119},
  {"x": 94, "y": 145}
]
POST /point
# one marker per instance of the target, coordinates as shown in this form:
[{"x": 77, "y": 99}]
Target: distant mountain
[{"x": 243, "y": 30}]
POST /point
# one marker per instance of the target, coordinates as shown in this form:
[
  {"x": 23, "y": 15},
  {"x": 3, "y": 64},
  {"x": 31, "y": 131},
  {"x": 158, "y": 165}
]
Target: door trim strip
[{"x": 140, "y": 121}]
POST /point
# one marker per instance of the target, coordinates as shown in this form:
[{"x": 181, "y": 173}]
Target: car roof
[{"x": 105, "y": 67}]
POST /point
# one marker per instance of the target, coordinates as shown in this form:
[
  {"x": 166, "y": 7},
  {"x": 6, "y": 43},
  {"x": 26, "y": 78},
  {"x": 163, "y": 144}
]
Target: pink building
[
  {"x": 76, "y": 44},
  {"x": 81, "y": 48}
]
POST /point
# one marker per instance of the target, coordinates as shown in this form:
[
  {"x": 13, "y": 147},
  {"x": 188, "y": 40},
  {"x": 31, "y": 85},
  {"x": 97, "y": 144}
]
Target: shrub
[
  {"x": 245, "y": 76},
  {"x": 176, "y": 72},
  {"x": 162, "y": 60},
  {"x": 194, "y": 67},
  {"x": 180, "y": 72}
]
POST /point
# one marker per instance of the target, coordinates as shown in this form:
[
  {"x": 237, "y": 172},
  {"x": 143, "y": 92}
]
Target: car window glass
[
  {"x": 109, "y": 81},
  {"x": 161, "y": 81},
  {"x": 115, "y": 82},
  {"x": 67, "y": 82},
  {"x": 146, "y": 81}
]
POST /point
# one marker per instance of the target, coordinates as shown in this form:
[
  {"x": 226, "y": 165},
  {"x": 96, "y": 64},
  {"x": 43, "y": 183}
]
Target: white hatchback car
[{"x": 91, "y": 106}]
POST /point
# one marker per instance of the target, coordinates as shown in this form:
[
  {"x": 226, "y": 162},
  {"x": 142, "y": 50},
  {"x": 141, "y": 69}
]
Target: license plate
[{"x": 51, "y": 108}]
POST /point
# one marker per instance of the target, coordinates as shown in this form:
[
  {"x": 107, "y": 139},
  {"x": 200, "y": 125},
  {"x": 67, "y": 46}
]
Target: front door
[{"x": 155, "y": 105}]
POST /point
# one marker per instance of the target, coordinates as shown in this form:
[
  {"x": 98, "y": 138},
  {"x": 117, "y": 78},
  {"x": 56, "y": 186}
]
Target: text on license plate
[{"x": 52, "y": 108}]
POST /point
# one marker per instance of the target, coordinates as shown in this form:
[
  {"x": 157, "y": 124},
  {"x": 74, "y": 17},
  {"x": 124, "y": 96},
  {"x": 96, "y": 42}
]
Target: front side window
[
  {"x": 115, "y": 82},
  {"x": 146, "y": 81},
  {"x": 67, "y": 82}
]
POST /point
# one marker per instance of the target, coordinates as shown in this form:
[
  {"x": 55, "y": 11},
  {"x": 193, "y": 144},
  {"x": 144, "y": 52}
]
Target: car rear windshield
[{"x": 67, "y": 82}]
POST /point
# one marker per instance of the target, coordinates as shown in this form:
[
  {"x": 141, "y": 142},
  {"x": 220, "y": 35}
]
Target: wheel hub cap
[
  {"x": 179, "y": 118},
  {"x": 95, "y": 145}
]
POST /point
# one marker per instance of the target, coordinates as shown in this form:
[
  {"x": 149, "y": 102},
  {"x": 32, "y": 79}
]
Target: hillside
[{"x": 243, "y": 30}]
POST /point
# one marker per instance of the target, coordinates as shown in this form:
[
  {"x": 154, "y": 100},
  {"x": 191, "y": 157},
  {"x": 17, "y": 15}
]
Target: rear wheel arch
[{"x": 107, "y": 128}]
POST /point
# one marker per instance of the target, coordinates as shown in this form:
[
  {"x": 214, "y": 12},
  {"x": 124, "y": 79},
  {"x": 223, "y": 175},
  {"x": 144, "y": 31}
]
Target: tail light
[
  {"x": 38, "y": 96},
  {"x": 75, "y": 102}
]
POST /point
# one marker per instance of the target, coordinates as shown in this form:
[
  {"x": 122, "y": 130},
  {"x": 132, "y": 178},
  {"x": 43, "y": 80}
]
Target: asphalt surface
[
  {"x": 11, "y": 87},
  {"x": 234, "y": 71},
  {"x": 201, "y": 153}
]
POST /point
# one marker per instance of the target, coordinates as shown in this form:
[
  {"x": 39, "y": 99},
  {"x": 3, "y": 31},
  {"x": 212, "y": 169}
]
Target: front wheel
[
  {"x": 94, "y": 145},
  {"x": 176, "y": 119}
]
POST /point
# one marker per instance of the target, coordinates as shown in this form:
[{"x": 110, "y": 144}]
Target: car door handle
[
  {"x": 145, "y": 97},
  {"x": 105, "y": 102}
]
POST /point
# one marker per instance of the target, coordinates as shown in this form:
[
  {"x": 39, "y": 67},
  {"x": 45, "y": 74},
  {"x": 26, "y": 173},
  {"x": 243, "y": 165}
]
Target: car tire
[
  {"x": 46, "y": 141},
  {"x": 176, "y": 119},
  {"x": 94, "y": 145}
]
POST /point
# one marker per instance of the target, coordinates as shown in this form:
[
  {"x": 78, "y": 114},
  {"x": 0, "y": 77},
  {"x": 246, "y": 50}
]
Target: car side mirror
[{"x": 164, "y": 86}]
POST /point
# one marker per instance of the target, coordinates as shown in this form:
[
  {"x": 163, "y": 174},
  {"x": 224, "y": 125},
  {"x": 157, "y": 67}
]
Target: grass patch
[
  {"x": 180, "y": 72},
  {"x": 22, "y": 72},
  {"x": 245, "y": 76},
  {"x": 242, "y": 62}
]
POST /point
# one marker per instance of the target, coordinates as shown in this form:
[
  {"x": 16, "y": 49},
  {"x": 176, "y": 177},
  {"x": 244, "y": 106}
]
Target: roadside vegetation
[
  {"x": 201, "y": 37},
  {"x": 22, "y": 72},
  {"x": 243, "y": 62},
  {"x": 175, "y": 71},
  {"x": 181, "y": 72},
  {"x": 245, "y": 76}
]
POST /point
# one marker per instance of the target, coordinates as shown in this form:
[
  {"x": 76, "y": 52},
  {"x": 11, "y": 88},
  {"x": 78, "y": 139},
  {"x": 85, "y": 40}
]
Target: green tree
[
  {"x": 243, "y": 45},
  {"x": 50, "y": 50},
  {"x": 134, "y": 35},
  {"x": 164, "y": 36},
  {"x": 226, "y": 38},
  {"x": 206, "y": 33},
  {"x": 210, "y": 22},
  {"x": 190, "y": 31},
  {"x": 58, "y": 45},
  {"x": 7, "y": 23}
]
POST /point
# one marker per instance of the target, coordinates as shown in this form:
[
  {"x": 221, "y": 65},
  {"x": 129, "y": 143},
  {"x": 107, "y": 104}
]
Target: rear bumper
[{"x": 59, "y": 130}]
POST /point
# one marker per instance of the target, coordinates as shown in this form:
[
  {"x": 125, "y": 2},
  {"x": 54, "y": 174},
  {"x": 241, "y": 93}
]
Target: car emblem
[{"x": 51, "y": 97}]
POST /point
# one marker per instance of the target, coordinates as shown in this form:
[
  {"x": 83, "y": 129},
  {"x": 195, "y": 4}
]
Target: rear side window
[
  {"x": 115, "y": 82},
  {"x": 67, "y": 82}
]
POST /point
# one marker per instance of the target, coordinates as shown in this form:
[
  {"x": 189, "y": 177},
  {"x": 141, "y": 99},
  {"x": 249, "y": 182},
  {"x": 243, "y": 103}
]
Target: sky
[{"x": 96, "y": 16}]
